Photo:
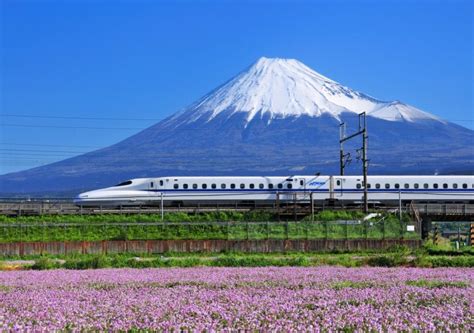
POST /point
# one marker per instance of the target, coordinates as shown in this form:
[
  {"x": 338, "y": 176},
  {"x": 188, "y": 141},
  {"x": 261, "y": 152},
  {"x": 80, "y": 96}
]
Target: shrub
[
  {"x": 89, "y": 263},
  {"x": 383, "y": 261},
  {"x": 45, "y": 263},
  {"x": 446, "y": 261}
]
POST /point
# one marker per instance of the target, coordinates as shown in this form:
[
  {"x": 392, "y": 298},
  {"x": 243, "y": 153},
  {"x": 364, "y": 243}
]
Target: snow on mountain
[
  {"x": 288, "y": 88},
  {"x": 397, "y": 111}
]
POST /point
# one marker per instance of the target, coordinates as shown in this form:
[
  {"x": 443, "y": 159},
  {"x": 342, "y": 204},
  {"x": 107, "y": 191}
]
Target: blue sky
[{"x": 136, "y": 62}]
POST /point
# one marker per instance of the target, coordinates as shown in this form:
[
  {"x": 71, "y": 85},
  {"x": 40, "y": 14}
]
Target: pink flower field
[{"x": 314, "y": 299}]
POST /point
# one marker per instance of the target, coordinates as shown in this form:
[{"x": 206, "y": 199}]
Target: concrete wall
[{"x": 162, "y": 246}]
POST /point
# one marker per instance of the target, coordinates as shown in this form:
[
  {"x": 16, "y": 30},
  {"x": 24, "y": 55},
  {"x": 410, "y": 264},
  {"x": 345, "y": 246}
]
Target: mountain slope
[
  {"x": 286, "y": 87},
  {"x": 276, "y": 117}
]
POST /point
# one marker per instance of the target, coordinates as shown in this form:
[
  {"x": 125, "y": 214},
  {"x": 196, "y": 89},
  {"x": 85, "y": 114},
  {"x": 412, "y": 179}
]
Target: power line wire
[
  {"x": 77, "y": 117},
  {"x": 46, "y": 145},
  {"x": 42, "y": 150},
  {"x": 150, "y": 119},
  {"x": 74, "y": 127}
]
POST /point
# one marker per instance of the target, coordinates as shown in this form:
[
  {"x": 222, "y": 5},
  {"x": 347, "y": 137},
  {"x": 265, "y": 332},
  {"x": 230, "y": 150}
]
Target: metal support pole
[
  {"x": 402, "y": 231},
  {"x": 365, "y": 164},
  {"x": 278, "y": 205},
  {"x": 400, "y": 206},
  {"x": 161, "y": 207},
  {"x": 294, "y": 206},
  {"x": 459, "y": 234},
  {"x": 342, "y": 134},
  {"x": 312, "y": 206}
]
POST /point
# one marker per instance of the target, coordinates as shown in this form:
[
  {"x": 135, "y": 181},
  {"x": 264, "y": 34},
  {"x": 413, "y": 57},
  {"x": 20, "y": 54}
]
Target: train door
[
  {"x": 300, "y": 186},
  {"x": 152, "y": 185},
  {"x": 339, "y": 187}
]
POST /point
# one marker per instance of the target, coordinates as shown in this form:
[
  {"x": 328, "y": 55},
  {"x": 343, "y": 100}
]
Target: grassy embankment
[
  {"x": 428, "y": 256},
  {"x": 230, "y": 226},
  {"x": 218, "y": 225}
]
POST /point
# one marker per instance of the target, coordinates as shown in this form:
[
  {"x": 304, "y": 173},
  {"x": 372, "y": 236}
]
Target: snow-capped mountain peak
[{"x": 288, "y": 88}]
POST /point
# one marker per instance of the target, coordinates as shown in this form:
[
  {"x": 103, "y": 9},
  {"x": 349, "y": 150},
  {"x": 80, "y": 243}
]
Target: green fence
[{"x": 14, "y": 232}]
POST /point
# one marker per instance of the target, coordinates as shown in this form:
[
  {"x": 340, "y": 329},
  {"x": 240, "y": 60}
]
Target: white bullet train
[{"x": 346, "y": 189}]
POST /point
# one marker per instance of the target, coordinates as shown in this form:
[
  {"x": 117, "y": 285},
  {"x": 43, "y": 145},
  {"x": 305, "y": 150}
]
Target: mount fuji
[{"x": 276, "y": 117}]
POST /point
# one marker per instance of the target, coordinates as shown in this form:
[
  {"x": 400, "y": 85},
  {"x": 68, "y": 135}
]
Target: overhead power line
[
  {"x": 75, "y": 127},
  {"x": 42, "y": 150},
  {"x": 78, "y": 117},
  {"x": 148, "y": 119},
  {"x": 59, "y": 155},
  {"x": 46, "y": 145}
]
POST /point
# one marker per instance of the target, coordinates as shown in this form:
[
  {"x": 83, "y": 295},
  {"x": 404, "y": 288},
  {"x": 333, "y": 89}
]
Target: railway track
[{"x": 67, "y": 207}]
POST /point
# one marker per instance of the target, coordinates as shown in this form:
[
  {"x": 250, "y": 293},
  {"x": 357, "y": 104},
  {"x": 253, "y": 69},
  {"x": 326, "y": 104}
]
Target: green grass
[
  {"x": 255, "y": 215},
  {"x": 232, "y": 226},
  {"x": 230, "y": 260},
  {"x": 352, "y": 284},
  {"x": 434, "y": 284},
  {"x": 391, "y": 257}
]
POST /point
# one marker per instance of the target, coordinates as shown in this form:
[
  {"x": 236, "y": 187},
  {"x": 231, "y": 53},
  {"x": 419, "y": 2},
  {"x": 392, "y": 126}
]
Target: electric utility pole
[
  {"x": 365, "y": 162},
  {"x": 344, "y": 159}
]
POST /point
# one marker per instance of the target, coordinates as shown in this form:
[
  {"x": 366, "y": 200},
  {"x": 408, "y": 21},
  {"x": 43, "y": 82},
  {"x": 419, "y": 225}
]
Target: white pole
[
  {"x": 161, "y": 207},
  {"x": 400, "y": 206}
]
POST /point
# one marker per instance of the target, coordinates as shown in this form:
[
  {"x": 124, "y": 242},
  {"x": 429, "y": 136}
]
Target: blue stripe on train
[{"x": 396, "y": 191}]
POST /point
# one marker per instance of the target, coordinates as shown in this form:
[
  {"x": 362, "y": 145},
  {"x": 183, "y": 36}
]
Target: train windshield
[{"x": 128, "y": 182}]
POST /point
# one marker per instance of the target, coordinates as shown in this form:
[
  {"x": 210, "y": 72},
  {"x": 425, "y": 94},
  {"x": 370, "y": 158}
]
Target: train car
[{"x": 319, "y": 188}]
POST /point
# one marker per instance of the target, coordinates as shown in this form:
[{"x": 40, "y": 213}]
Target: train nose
[{"x": 82, "y": 197}]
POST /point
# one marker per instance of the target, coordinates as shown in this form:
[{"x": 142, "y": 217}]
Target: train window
[
  {"x": 425, "y": 185},
  {"x": 338, "y": 183},
  {"x": 387, "y": 185},
  {"x": 213, "y": 185},
  {"x": 406, "y": 185},
  {"x": 289, "y": 185},
  {"x": 252, "y": 185},
  {"x": 280, "y": 185},
  {"x": 185, "y": 186},
  {"x": 232, "y": 185},
  {"x": 359, "y": 186},
  {"x": 397, "y": 185},
  {"x": 260, "y": 185},
  {"x": 161, "y": 183},
  {"x": 377, "y": 185},
  {"x": 152, "y": 184},
  {"x": 369, "y": 185},
  {"x": 270, "y": 185},
  {"x": 445, "y": 185},
  {"x": 128, "y": 182},
  {"x": 301, "y": 182},
  {"x": 455, "y": 185},
  {"x": 416, "y": 185},
  {"x": 464, "y": 185},
  {"x": 204, "y": 186},
  {"x": 435, "y": 185},
  {"x": 195, "y": 185},
  {"x": 176, "y": 186},
  {"x": 223, "y": 186},
  {"x": 242, "y": 185}
]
